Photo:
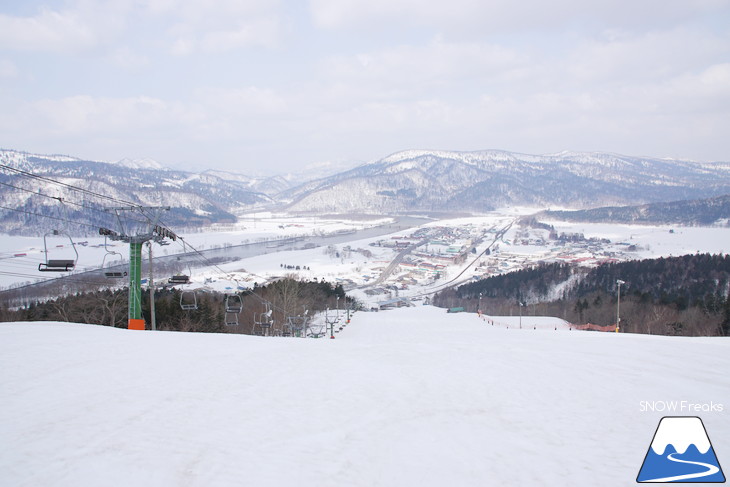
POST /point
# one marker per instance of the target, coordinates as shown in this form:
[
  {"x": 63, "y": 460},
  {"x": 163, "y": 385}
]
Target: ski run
[{"x": 409, "y": 397}]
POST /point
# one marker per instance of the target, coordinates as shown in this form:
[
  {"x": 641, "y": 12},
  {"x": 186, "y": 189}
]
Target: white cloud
[
  {"x": 437, "y": 69},
  {"x": 343, "y": 13},
  {"x": 211, "y": 116},
  {"x": 507, "y": 15},
  {"x": 347, "y": 79},
  {"x": 89, "y": 116},
  {"x": 245, "y": 101},
  {"x": 8, "y": 69},
  {"x": 228, "y": 25},
  {"x": 128, "y": 59},
  {"x": 189, "y": 25},
  {"x": 48, "y": 31}
]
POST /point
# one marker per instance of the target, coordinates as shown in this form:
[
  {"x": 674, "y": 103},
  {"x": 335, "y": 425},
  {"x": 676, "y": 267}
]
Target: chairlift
[
  {"x": 58, "y": 265},
  {"x": 115, "y": 274},
  {"x": 233, "y": 306},
  {"x": 188, "y": 300},
  {"x": 234, "y": 303},
  {"x": 231, "y": 319},
  {"x": 112, "y": 274},
  {"x": 179, "y": 279},
  {"x": 263, "y": 322},
  {"x": 287, "y": 329},
  {"x": 297, "y": 325}
]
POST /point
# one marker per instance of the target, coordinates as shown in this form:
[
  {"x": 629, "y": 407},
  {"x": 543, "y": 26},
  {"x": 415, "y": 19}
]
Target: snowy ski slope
[{"x": 401, "y": 398}]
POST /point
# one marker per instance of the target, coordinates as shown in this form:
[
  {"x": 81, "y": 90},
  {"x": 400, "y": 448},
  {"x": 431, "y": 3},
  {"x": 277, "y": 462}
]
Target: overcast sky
[{"x": 271, "y": 86}]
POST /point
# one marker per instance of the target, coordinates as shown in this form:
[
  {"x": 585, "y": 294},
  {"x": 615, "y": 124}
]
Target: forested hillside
[
  {"x": 206, "y": 313},
  {"x": 711, "y": 211},
  {"x": 685, "y": 295}
]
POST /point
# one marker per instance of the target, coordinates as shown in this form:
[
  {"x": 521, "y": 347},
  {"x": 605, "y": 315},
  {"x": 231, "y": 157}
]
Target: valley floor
[{"x": 374, "y": 260}]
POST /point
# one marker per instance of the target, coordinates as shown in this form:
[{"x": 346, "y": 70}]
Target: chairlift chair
[
  {"x": 233, "y": 306},
  {"x": 58, "y": 265},
  {"x": 263, "y": 322},
  {"x": 179, "y": 279},
  {"x": 287, "y": 330},
  {"x": 231, "y": 319},
  {"x": 109, "y": 273},
  {"x": 115, "y": 274},
  {"x": 234, "y": 303},
  {"x": 188, "y": 300}
]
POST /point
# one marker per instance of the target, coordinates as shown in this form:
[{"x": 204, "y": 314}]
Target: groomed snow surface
[{"x": 410, "y": 397}]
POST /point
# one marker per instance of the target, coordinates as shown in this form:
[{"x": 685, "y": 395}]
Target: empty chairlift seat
[
  {"x": 114, "y": 274},
  {"x": 58, "y": 265},
  {"x": 179, "y": 279},
  {"x": 113, "y": 264},
  {"x": 233, "y": 306},
  {"x": 189, "y": 300},
  {"x": 233, "y": 303}
]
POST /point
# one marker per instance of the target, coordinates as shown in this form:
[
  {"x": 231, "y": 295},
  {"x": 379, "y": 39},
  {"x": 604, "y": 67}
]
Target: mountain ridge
[
  {"x": 416, "y": 180},
  {"x": 426, "y": 180},
  {"x": 195, "y": 198}
]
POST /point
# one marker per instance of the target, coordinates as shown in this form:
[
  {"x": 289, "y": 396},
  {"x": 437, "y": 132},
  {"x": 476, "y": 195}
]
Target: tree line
[
  {"x": 287, "y": 297},
  {"x": 685, "y": 295}
]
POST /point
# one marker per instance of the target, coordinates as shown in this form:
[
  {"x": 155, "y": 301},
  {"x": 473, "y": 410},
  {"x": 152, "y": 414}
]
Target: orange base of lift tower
[{"x": 135, "y": 324}]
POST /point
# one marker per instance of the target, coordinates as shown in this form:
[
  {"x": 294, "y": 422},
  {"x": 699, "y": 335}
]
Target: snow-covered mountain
[
  {"x": 140, "y": 164},
  {"x": 414, "y": 180},
  {"x": 424, "y": 180},
  {"x": 269, "y": 185},
  {"x": 194, "y": 198}
]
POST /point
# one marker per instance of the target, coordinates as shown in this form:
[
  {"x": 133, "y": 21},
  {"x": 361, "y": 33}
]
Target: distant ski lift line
[
  {"x": 38, "y": 193},
  {"x": 70, "y": 186},
  {"x": 66, "y": 265}
]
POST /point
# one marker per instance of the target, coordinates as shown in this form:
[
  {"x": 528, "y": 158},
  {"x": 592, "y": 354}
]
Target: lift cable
[
  {"x": 53, "y": 197},
  {"x": 227, "y": 275},
  {"x": 66, "y": 185},
  {"x": 116, "y": 200},
  {"x": 66, "y": 220}
]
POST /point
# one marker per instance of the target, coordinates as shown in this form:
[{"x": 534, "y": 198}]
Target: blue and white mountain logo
[{"x": 681, "y": 452}]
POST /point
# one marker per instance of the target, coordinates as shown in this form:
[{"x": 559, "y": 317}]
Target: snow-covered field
[
  {"x": 20, "y": 256},
  {"x": 358, "y": 263},
  {"x": 413, "y": 396}
]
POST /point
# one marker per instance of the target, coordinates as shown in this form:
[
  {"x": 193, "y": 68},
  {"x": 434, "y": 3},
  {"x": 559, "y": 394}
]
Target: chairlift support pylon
[
  {"x": 298, "y": 324},
  {"x": 136, "y": 235}
]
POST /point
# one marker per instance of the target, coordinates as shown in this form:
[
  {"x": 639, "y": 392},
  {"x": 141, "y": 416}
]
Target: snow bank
[{"x": 407, "y": 397}]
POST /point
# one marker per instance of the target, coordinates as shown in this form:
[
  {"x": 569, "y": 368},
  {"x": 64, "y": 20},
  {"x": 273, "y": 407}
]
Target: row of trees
[
  {"x": 685, "y": 295},
  {"x": 288, "y": 297}
]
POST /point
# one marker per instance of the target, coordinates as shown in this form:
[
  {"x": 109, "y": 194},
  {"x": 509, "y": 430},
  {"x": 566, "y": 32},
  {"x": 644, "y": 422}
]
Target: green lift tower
[{"x": 136, "y": 233}]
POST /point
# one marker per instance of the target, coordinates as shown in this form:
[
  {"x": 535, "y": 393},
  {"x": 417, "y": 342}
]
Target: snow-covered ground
[
  {"x": 20, "y": 256},
  {"x": 413, "y": 396},
  {"x": 358, "y": 264}
]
